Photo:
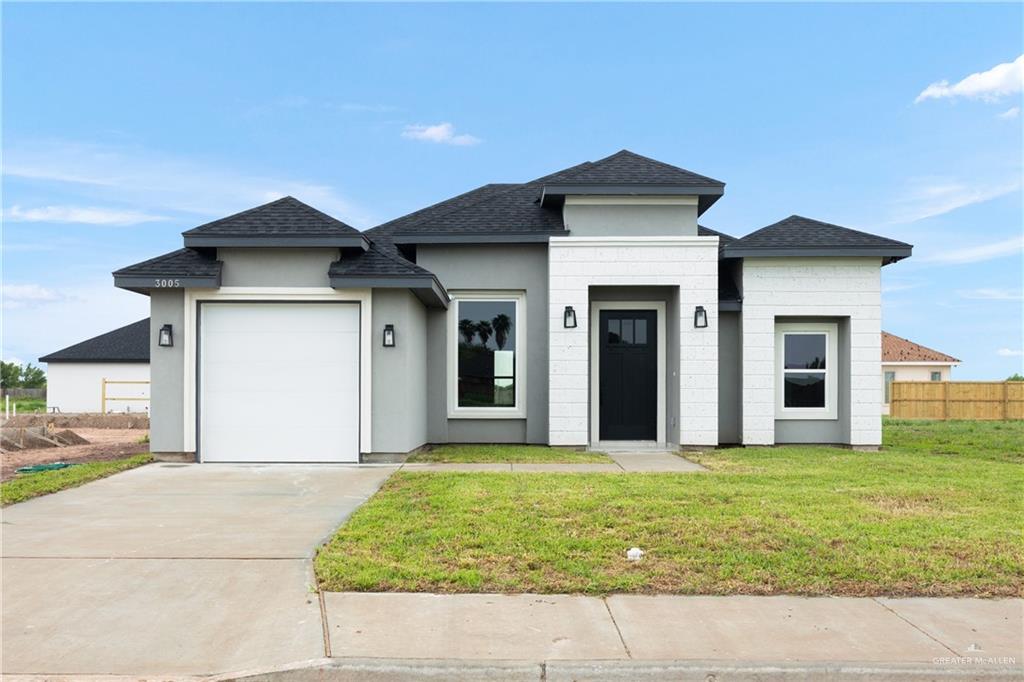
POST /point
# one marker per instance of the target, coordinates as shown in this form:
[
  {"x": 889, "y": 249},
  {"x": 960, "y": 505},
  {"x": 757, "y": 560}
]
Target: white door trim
[
  {"x": 595, "y": 361},
  {"x": 279, "y": 295}
]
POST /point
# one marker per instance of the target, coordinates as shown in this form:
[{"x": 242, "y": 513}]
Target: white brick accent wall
[
  {"x": 808, "y": 287},
  {"x": 577, "y": 263}
]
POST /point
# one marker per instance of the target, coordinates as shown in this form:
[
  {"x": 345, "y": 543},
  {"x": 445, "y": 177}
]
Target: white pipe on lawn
[{"x": 7, "y": 406}]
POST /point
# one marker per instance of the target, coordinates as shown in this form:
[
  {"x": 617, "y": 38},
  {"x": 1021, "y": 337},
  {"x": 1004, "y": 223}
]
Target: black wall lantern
[
  {"x": 569, "y": 318},
  {"x": 389, "y": 336},
  {"x": 700, "y": 317},
  {"x": 166, "y": 337}
]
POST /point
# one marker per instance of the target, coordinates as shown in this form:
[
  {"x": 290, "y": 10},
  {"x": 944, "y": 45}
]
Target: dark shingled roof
[
  {"x": 285, "y": 217},
  {"x": 127, "y": 344},
  {"x": 627, "y": 168},
  {"x": 180, "y": 263},
  {"x": 797, "y": 235},
  {"x": 514, "y": 209}
]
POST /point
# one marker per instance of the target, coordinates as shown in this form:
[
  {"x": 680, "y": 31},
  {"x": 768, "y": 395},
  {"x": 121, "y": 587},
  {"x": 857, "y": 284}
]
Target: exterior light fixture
[
  {"x": 569, "y": 318},
  {"x": 166, "y": 337},
  {"x": 700, "y": 317},
  {"x": 389, "y": 336}
]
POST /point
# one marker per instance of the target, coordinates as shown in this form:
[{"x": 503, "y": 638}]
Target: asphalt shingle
[{"x": 285, "y": 217}]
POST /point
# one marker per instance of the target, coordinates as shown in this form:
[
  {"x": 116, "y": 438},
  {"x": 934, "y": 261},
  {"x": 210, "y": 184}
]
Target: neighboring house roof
[
  {"x": 284, "y": 222},
  {"x": 190, "y": 267},
  {"x": 127, "y": 344},
  {"x": 897, "y": 349},
  {"x": 800, "y": 236}
]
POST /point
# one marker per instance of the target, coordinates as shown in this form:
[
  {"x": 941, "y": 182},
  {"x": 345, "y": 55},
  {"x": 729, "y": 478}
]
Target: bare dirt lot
[{"x": 103, "y": 444}]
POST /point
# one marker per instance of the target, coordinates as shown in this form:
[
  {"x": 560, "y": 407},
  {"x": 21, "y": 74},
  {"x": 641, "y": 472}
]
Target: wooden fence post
[
  {"x": 945, "y": 400},
  {"x": 1006, "y": 400},
  {"x": 103, "y": 396}
]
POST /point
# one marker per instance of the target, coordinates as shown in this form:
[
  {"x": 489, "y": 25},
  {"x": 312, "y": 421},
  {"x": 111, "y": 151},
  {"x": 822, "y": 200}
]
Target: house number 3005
[{"x": 167, "y": 283}]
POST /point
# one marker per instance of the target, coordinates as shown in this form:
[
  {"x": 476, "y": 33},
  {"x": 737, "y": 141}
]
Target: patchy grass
[
  {"x": 939, "y": 512},
  {"x": 26, "y": 486},
  {"x": 521, "y": 454},
  {"x": 26, "y": 405}
]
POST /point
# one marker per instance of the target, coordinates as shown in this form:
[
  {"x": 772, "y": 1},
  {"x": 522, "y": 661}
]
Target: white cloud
[
  {"x": 82, "y": 311},
  {"x": 13, "y": 360},
  {"x": 936, "y": 198},
  {"x": 977, "y": 254},
  {"x": 162, "y": 182},
  {"x": 1012, "y": 112},
  {"x": 88, "y": 215},
  {"x": 1009, "y": 353},
  {"x": 999, "y": 81},
  {"x": 22, "y": 295},
  {"x": 442, "y": 133},
  {"x": 991, "y": 294}
]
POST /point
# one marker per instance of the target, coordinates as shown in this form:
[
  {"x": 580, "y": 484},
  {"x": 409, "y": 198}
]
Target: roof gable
[
  {"x": 897, "y": 349},
  {"x": 626, "y": 168},
  {"x": 283, "y": 222},
  {"x": 800, "y": 236},
  {"x": 126, "y": 344}
]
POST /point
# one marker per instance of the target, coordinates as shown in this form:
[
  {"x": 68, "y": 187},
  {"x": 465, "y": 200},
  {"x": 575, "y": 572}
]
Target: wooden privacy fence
[{"x": 957, "y": 400}]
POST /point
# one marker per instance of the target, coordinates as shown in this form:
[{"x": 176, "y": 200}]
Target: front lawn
[
  {"x": 27, "y": 405},
  {"x": 507, "y": 454},
  {"x": 27, "y": 486},
  {"x": 938, "y": 512}
]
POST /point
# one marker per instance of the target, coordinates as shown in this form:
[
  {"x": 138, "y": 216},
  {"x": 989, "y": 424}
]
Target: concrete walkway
[
  {"x": 622, "y": 462},
  {"x": 173, "y": 569},
  {"x": 936, "y": 633}
]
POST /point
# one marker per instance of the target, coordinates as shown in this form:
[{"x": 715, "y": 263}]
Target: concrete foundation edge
[
  {"x": 187, "y": 457},
  {"x": 388, "y": 670}
]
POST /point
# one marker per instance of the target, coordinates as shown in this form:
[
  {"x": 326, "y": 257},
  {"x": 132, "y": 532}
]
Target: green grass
[
  {"x": 938, "y": 512},
  {"x": 27, "y": 405},
  {"x": 26, "y": 486},
  {"x": 521, "y": 454}
]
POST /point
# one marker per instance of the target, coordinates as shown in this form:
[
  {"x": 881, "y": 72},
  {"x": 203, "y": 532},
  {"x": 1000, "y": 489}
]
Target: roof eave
[
  {"x": 554, "y": 194},
  {"x": 888, "y": 254},
  {"x": 410, "y": 238},
  {"x": 425, "y": 287},
  {"x": 276, "y": 241},
  {"x": 51, "y": 360},
  {"x": 144, "y": 283}
]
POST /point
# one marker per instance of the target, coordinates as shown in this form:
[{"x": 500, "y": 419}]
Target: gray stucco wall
[
  {"x": 823, "y": 430},
  {"x": 670, "y": 297},
  {"x": 167, "y": 373},
  {"x": 730, "y": 379},
  {"x": 630, "y": 220},
  {"x": 276, "y": 267},
  {"x": 471, "y": 267},
  {"x": 400, "y": 373}
]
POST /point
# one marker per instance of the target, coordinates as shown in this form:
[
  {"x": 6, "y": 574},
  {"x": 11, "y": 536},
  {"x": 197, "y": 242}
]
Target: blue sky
[{"x": 124, "y": 125}]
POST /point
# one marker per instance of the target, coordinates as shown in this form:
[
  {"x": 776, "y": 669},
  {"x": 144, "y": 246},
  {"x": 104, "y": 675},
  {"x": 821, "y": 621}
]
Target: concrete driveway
[{"x": 173, "y": 569}]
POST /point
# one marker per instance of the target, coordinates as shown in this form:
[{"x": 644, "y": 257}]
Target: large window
[
  {"x": 487, "y": 338},
  {"x": 806, "y": 372}
]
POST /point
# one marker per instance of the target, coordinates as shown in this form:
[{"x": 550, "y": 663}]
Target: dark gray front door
[{"x": 629, "y": 375}]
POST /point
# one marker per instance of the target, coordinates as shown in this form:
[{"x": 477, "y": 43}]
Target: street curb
[{"x": 394, "y": 670}]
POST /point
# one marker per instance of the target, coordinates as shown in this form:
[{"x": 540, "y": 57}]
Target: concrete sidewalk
[
  {"x": 622, "y": 462},
  {"x": 938, "y": 634}
]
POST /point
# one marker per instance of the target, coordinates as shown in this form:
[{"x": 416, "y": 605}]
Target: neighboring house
[
  {"x": 904, "y": 360},
  {"x": 74, "y": 375},
  {"x": 583, "y": 308}
]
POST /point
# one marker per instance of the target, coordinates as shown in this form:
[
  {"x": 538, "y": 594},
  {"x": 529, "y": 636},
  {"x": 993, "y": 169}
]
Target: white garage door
[{"x": 279, "y": 382}]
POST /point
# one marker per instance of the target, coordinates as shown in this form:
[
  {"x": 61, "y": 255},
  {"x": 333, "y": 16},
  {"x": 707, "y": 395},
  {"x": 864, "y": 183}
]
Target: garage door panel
[{"x": 279, "y": 382}]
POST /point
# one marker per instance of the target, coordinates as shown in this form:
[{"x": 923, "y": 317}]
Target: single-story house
[
  {"x": 584, "y": 308},
  {"x": 904, "y": 360},
  {"x": 108, "y": 371}
]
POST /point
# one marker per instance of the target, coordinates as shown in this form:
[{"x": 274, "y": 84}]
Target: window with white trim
[
  {"x": 889, "y": 378},
  {"x": 806, "y": 371},
  {"x": 936, "y": 376},
  {"x": 487, "y": 350}
]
